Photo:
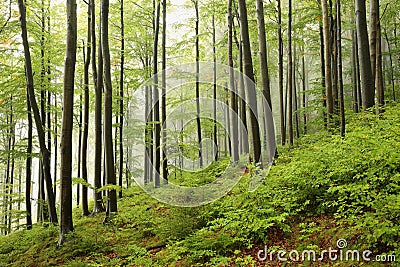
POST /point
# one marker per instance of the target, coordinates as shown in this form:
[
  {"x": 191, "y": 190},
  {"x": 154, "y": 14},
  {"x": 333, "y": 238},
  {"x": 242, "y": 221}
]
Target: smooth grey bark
[
  {"x": 280, "y": 75},
  {"x": 198, "y": 121},
  {"x": 327, "y": 56},
  {"x": 87, "y": 59},
  {"x": 340, "y": 68},
  {"x": 290, "y": 75},
  {"x": 156, "y": 106},
  {"x": 367, "y": 81},
  {"x": 215, "y": 129},
  {"x": 250, "y": 82},
  {"x": 66, "y": 224},
  {"x": 108, "y": 138},
  {"x": 38, "y": 120},
  {"x": 121, "y": 100},
  {"x": 232, "y": 88},
  {"x": 354, "y": 72},
  {"x": 164, "y": 94},
  {"x": 98, "y": 84},
  {"x": 28, "y": 168}
]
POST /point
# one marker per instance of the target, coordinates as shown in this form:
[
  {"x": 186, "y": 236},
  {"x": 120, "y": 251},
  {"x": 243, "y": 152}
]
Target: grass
[{"x": 324, "y": 189}]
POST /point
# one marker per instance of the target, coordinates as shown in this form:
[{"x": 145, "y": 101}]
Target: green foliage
[{"x": 325, "y": 188}]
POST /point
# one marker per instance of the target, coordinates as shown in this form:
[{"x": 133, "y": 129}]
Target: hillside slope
[{"x": 324, "y": 189}]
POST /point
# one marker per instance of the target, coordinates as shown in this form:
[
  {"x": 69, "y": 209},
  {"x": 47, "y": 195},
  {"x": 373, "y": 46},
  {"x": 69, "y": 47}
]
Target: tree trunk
[
  {"x": 290, "y": 75},
  {"x": 327, "y": 56},
  {"x": 121, "y": 101},
  {"x": 215, "y": 129},
  {"x": 98, "y": 83},
  {"x": 373, "y": 32},
  {"x": 38, "y": 121},
  {"x": 323, "y": 81},
  {"x": 78, "y": 191},
  {"x": 28, "y": 169},
  {"x": 355, "y": 77},
  {"x": 295, "y": 95},
  {"x": 249, "y": 82},
  {"x": 66, "y": 224},
  {"x": 198, "y": 121},
  {"x": 156, "y": 107},
  {"x": 242, "y": 95},
  {"x": 87, "y": 58},
  {"x": 380, "y": 86},
  {"x": 340, "y": 68},
  {"x": 108, "y": 138},
  {"x": 232, "y": 88},
  {"x": 391, "y": 66},
  {"x": 367, "y": 82},
  {"x": 262, "y": 40},
  {"x": 304, "y": 84},
  {"x": 280, "y": 75},
  {"x": 334, "y": 68},
  {"x": 163, "y": 95},
  {"x": 43, "y": 92}
]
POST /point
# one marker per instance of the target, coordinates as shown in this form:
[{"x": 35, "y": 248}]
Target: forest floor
[{"x": 325, "y": 193}]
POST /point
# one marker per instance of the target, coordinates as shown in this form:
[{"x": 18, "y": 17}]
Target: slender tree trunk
[
  {"x": 121, "y": 100},
  {"x": 367, "y": 81},
  {"x": 290, "y": 74},
  {"x": 340, "y": 68},
  {"x": 232, "y": 88},
  {"x": 163, "y": 95},
  {"x": 295, "y": 98},
  {"x": 327, "y": 56},
  {"x": 355, "y": 77},
  {"x": 280, "y": 75},
  {"x": 66, "y": 224},
  {"x": 36, "y": 113},
  {"x": 249, "y": 82},
  {"x": 228, "y": 144},
  {"x": 265, "y": 81},
  {"x": 304, "y": 84},
  {"x": 359, "y": 93},
  {"x": 28, "y": 168},
  {"x": 215, "y": 129},
  {"x": 78, "y": 191},
  {"x": 43, "y": 210},
  {"x": 242, "y": 95},
  {"x": 98, "y": 83},
  {"x": 334, "y": 68},
  {"x": 373, "y": 32},
  {"x": 87, "y": 58},
  {"x": 156, "y": 109},
  {"x": 108, "y": 138},
  {"x": 12, "y": 168},
  {"x": 198, "y": 121},
  {"x": 323, "y": 80},
  {"x": 380, "y": 86},
  {"x": 262, "y": 40},
  {"x": 391, "y": 66}
]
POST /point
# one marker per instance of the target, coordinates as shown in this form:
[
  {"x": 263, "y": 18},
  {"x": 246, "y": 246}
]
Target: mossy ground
[{"x": 323, "y": 189}]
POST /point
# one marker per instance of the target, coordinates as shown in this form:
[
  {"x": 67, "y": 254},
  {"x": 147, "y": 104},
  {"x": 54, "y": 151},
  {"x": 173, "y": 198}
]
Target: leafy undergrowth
[{"x": 324, "y": 189}]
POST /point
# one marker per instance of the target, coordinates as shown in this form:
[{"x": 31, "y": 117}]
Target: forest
[{"x": 199, "y": 133}]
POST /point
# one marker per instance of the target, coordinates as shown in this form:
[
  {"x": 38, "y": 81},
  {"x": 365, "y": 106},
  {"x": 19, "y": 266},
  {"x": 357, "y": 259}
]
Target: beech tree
[
  {"x": 108, "y": 96},
  {"x": 250, "y": 82},
  {"x": 38, "y": 120},
  {"x": 367, "y": 81},
  {"x": 66, "y": 224}
]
